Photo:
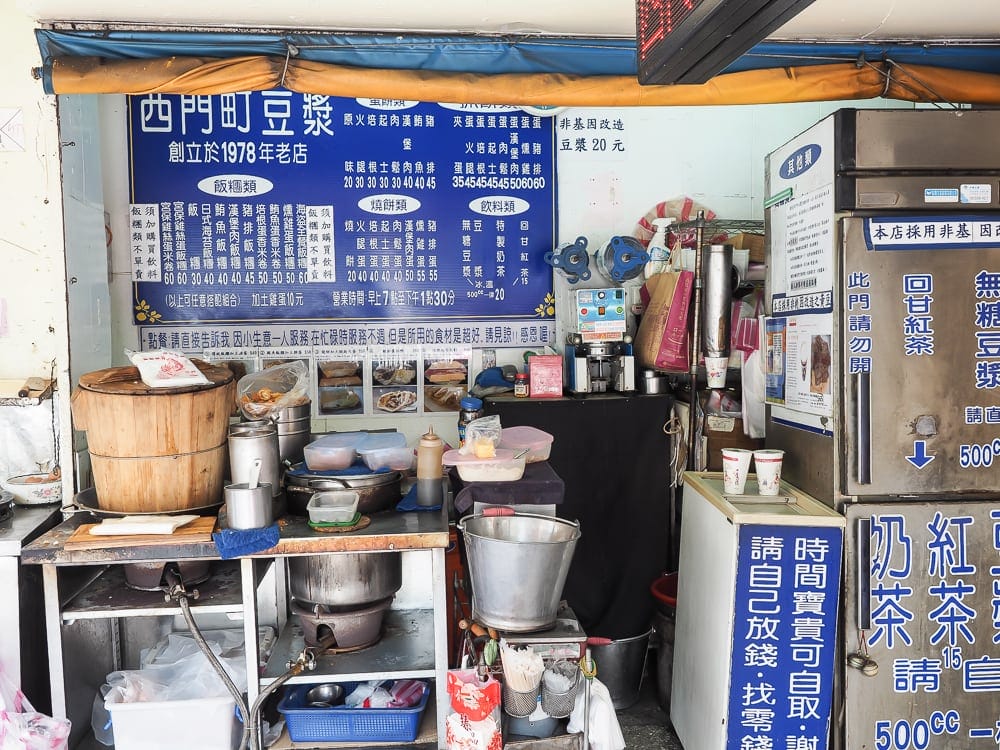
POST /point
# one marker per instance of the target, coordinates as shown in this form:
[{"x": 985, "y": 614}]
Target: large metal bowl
[
  {"x": 345, "y": 579},
  {"x": 376, "y": 491}
]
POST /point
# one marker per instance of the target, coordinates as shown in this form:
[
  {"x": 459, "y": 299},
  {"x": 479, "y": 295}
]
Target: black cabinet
[{"x": 614, "y": 458}]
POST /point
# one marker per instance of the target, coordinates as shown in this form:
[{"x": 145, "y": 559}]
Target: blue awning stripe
[{"x": 482, "y": 54}]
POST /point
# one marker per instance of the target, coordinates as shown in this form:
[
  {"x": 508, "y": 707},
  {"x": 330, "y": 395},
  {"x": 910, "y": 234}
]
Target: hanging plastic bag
[
  {"x": 260, "y": 395},
  {"x": 661, "y": 341},
  {"x": 24, "y": 728}
]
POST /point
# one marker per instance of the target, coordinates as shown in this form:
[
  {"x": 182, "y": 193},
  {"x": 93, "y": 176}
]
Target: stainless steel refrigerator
[{"x": 882, "y": 352}]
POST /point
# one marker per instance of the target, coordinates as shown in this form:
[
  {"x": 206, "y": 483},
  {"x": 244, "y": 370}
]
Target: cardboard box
[
  {"x": 752, "y": 242},
  {"x": 545, "y": 373},
  {"x": 725, "y": 432}
]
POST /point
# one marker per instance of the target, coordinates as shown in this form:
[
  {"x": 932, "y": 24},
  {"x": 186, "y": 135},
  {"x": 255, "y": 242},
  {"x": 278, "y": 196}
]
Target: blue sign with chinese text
[
  {"x": 274, "y": 205},
  {"x": 785, "y": 624}
]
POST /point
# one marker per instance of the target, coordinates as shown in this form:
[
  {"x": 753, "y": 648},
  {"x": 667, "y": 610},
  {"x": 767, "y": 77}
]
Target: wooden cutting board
[{"x": 199, "y": 530}]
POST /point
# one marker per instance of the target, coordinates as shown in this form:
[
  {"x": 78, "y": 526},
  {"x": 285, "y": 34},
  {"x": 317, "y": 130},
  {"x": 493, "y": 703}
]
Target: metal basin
[{"x": 345, "y": 579}]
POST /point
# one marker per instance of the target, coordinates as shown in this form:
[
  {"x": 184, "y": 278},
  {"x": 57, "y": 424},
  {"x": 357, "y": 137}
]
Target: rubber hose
[{"x": 185, "y": 606}]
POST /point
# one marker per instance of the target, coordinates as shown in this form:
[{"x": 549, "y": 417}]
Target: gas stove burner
[
  {"x": 148, "y": 576},
  {"x": 352, "y": 628}
]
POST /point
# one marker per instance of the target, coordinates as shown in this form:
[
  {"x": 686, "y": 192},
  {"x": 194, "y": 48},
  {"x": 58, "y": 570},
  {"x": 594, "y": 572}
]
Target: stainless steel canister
[
  {"x": 717, "y": 299},
  {"x": 250, "y": 441},
  {"x": 294, "y": 431}
]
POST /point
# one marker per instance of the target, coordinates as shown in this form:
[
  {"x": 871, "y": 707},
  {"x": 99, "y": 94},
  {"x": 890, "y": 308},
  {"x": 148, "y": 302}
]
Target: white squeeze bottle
[{"x": 659, "y": 252}]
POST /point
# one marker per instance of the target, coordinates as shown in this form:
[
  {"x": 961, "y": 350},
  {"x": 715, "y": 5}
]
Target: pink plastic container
[{"x": 537, "y": 442}]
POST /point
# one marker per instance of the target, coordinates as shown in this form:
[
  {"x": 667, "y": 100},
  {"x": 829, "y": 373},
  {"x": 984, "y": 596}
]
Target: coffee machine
[{"x": 598, "y": 355}]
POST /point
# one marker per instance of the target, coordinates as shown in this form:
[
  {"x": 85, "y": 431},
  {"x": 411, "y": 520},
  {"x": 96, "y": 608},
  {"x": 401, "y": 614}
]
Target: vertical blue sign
[
  {"x": 785, "y": 624},
  {"x": 274, "y": 205}
]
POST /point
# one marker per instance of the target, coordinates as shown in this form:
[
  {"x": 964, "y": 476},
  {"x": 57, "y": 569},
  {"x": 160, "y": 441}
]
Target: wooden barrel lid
[{"x": 127, "y": 382}]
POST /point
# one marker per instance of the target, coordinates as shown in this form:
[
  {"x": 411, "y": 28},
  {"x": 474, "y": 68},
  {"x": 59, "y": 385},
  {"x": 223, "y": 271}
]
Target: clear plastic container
[
  {"x": 334, "y": 451},
  {"x": 332, "y": 506},
  {"x": 537, "y": 442},
  {"x": 374, "y": 441},
  {"x": 386, "y": 450},
  {"x": 504, "y": 467},
  {"x": 397, "y": 459}
]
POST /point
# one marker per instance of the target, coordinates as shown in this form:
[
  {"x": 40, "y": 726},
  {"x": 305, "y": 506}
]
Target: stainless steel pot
[
  {"x": 345, "y": 579},
  {"x": 376, "y": 492}
]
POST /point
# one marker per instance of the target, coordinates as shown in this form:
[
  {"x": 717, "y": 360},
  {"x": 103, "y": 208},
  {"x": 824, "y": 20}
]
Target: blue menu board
[{"x": 277, "y": 206}]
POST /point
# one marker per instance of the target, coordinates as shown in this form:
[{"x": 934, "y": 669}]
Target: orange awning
[{"x": 835, "y": 82}]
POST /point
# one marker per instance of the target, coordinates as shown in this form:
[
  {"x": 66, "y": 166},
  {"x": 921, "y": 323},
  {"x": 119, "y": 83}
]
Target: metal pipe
[
  {"x": 177, "y": 592},
  {"x": 695, "y": 342}
]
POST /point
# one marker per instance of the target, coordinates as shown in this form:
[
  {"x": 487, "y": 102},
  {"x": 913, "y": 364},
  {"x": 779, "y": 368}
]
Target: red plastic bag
[
  {"x": 469, "y": 696},
  {"x": 745, "y": 332},
  {"x": 23, "y": 728}
]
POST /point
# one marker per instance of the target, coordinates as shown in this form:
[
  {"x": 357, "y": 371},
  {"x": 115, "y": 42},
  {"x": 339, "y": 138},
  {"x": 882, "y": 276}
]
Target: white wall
[{"x": 33, "y": 317}]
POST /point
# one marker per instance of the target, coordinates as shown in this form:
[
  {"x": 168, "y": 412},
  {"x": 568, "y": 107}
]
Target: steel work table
[{"x": 96, "y": 625}]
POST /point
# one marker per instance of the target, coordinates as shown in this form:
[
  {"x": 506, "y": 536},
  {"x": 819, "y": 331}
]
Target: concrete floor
[{"x": 645, "y": 725}]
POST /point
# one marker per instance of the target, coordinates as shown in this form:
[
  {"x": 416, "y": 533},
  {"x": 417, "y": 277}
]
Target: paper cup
[
  {"x": 768, "y": 464},
  {"x": 735, "y": 467},
  {"x": 716, "y": 369}
]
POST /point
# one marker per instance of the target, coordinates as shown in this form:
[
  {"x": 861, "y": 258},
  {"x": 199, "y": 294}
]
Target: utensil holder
[
  {"x": 560, "y": 705},
  {"x": 519, "y": 703}
]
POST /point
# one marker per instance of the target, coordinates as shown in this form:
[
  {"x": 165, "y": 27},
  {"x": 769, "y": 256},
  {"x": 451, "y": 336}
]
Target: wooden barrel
[{"x": 155, "y": 449}]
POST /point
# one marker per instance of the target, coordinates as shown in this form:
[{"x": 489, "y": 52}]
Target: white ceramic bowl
[{"x": 34, "y": 489}]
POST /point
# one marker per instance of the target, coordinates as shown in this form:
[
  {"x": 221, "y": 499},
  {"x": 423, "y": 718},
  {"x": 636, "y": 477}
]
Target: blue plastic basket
[{"x": 343, "y": 724}]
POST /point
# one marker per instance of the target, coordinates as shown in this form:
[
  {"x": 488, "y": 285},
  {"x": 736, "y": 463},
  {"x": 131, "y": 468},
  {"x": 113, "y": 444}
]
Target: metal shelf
[
  {"x": 405, "y": 650},
  {"x": 716, "y": 227},
  {"x": 109, "y": 596}
]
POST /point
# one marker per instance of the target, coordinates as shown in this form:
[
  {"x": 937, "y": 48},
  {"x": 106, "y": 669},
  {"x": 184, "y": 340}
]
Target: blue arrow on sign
[{"x": 920, "y": 458}]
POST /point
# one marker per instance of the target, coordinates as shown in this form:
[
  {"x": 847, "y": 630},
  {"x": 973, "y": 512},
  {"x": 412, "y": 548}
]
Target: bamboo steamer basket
[{"x": 155, "y": 449}]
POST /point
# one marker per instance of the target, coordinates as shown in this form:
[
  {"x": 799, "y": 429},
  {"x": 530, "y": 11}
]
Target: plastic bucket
[
  {"x": 620, "y": 666},
  {"x": 517, "y": 567}
]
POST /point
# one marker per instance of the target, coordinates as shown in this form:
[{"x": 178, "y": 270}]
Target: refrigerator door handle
[
  {"x": 863, "y": 418},
  {"x": 864, "y": 570}
]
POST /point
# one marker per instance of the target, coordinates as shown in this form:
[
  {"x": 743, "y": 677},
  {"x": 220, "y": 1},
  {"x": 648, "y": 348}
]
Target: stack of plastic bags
[{"x": 22, "y": 727}]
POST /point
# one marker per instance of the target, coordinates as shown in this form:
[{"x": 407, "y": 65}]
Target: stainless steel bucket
[
  {"x": 620, "y": 666},
  {"x": 246, "y": 444},
  {"x": 518, "y": 565}
]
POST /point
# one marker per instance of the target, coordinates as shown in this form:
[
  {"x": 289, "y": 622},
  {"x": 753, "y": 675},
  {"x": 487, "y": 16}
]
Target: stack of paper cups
[
  {"x": 735, "y": 467},
  {"x": 768, "y": 465}
]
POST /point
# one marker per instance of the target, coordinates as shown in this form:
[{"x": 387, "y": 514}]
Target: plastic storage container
[
  {"x": 204, "y": 723},
  {"x": 343, "y": 724},
  {"x": 537, "y": 442},
  {"x": 336, "y": 451},
  {"x": 332, "y": 506},
  {"x": 386, "y": 450},
  {"x": 502, "y": 468}
]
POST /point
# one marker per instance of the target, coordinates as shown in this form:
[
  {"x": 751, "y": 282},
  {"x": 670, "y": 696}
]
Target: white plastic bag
[
  {"x": 263, "y": 394},
  {"x": 164, "y": 368},
  {"x": 23, "y": 728},
  {"x": 753, "y": 382},
  {"x": 604, "y": 732}
]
